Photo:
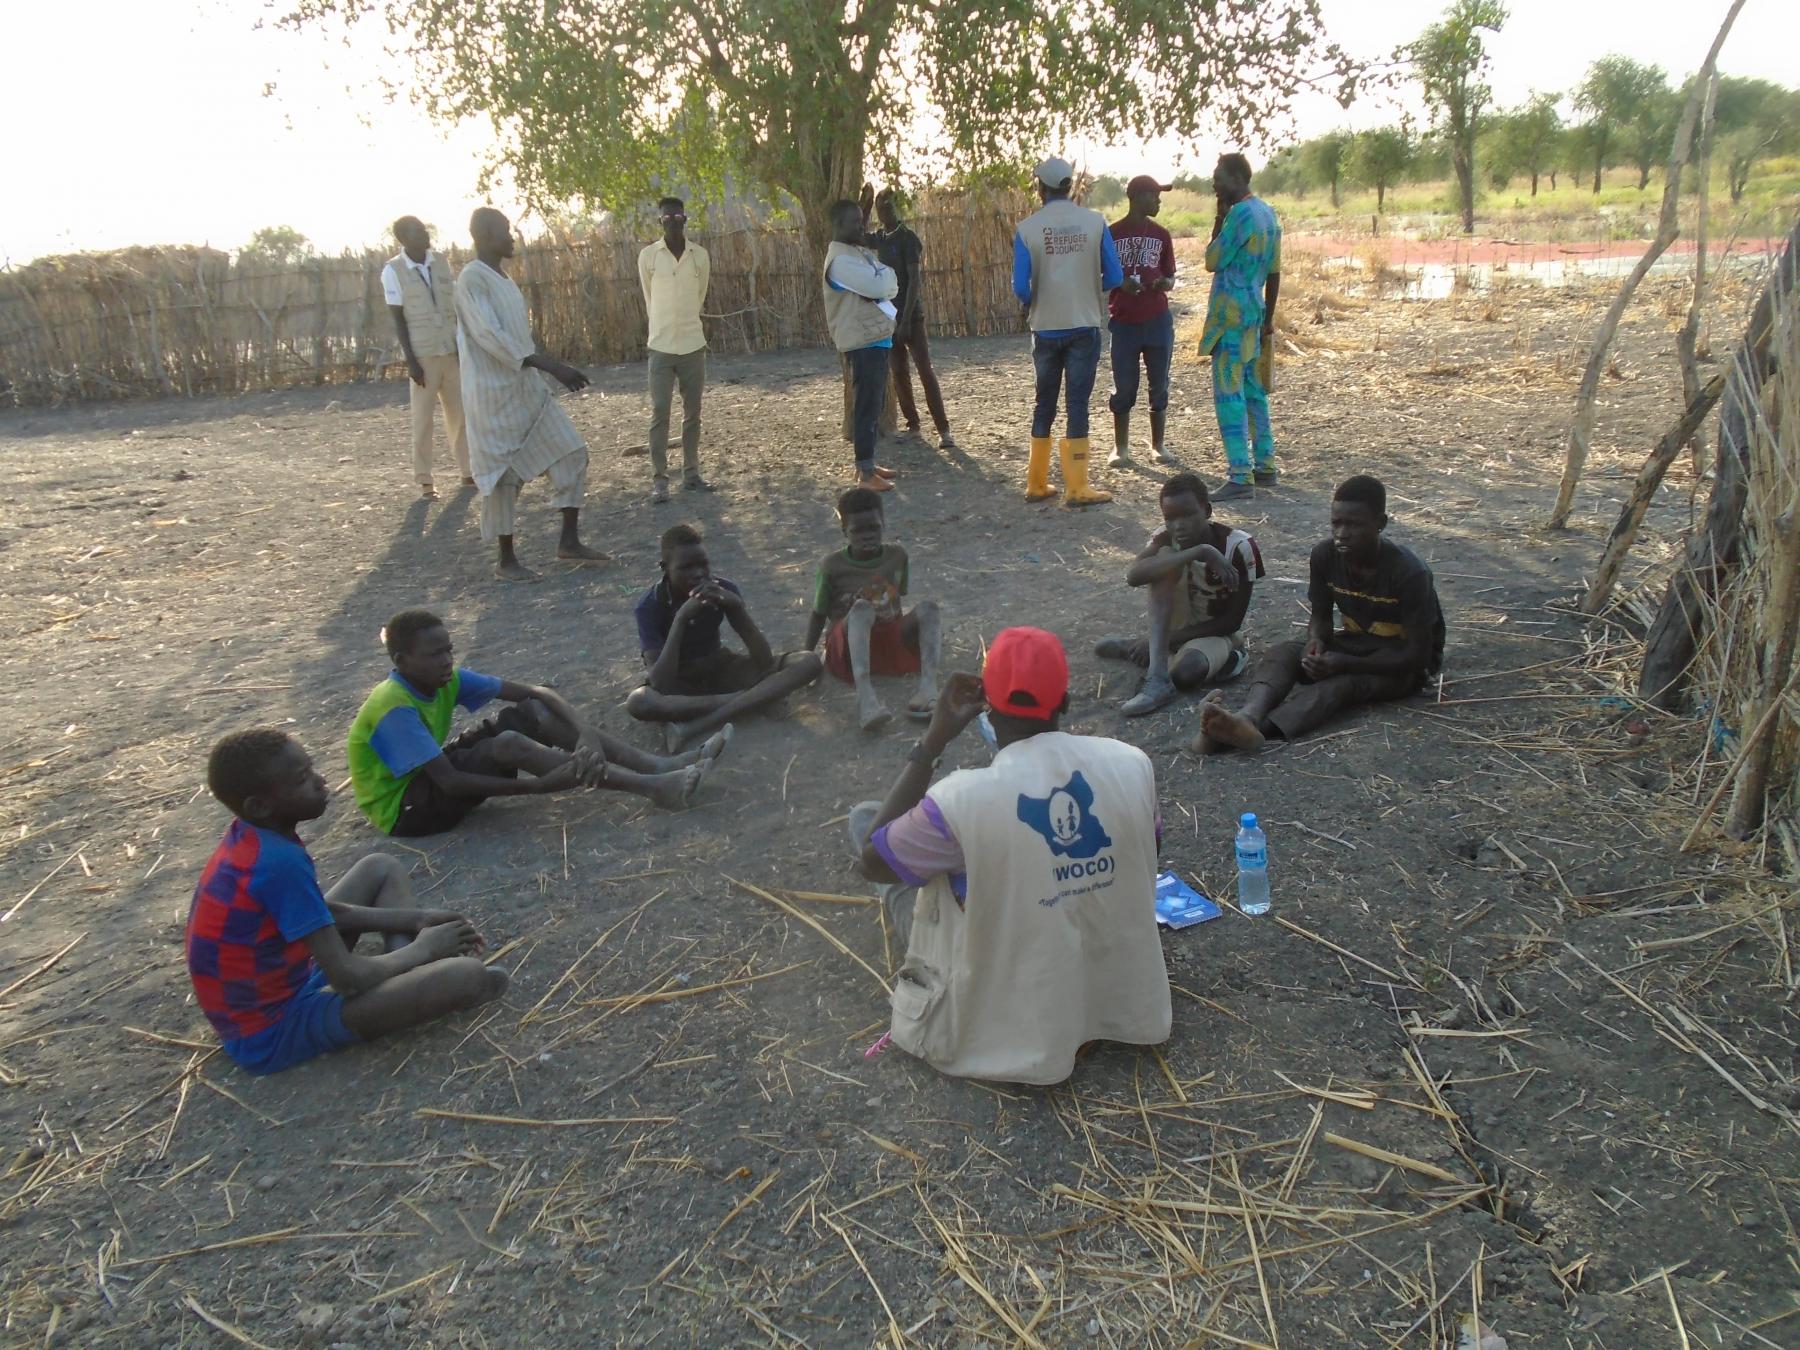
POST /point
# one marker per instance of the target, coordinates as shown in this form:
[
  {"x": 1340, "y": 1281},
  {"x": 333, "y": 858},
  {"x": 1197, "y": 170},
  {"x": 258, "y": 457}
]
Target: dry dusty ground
[{"x": 1487, "y": 955}]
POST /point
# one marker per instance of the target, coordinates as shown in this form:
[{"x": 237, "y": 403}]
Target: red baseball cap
[
  {"x": 1144, "y": 183},
  {"x": 1027, "y": 673}
]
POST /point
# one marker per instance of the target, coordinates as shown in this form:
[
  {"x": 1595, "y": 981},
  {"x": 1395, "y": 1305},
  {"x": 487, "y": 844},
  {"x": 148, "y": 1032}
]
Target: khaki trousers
[
  {"x": 443, "y": 383},
  {"x": 666, "y": 371}
]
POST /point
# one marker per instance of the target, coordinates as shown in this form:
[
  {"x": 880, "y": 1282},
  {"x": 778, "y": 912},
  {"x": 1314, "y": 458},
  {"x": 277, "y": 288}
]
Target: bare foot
[
  {"x": 923, "y": 701},
  {"x": 428, "y": 492},
  {"x": 580, "y": 552},
  {"x": 515, "y": 571},
  {"x": 882, "y": 471},
  {"x": 875, "y": 483},
  {"x": 869, "y": 711},
  {"x": 715, "y": 744},
  {"x": 1202, "y": 744},
  {"x": 674, "y": 791},
  {"x": 1228, "y": 729},
  {"x": 700, "y": 754}
]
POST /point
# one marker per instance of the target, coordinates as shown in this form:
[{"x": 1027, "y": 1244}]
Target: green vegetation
[
  {"x": 606, "y": 104},
  {"x": 277, "y": 245},
  {"x": 1571, "y": 210},
  {"x": 1449, "y": 61},
  {"x": 1557, "y": 166}
]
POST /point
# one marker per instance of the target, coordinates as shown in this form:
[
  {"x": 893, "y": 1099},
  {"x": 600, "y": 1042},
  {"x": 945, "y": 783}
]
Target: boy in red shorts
[
  {"x": 858, "y": 596},
  {"x": 272, "y": 956}
]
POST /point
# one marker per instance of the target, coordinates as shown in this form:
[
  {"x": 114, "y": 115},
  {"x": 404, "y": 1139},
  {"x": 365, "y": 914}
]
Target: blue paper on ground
[{"x": 1179, "y": 905}]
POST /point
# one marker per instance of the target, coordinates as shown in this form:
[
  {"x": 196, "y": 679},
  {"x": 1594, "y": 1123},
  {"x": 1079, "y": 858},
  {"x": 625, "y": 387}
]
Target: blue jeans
[
  {"x": 868, "y": 388},
  {"x": 1154, "y": 341},
  {"x": 1070, "y": 361}
]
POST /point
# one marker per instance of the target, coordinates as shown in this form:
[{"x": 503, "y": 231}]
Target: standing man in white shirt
[
  {"x": 422, "y": 298},
  {"x": 517, "y": 432},
  {"x": 674, "y": 274}
]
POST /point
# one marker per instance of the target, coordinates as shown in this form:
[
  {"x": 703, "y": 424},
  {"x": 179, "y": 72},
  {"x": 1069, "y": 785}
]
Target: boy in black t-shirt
[{"x": 1391, "y": 642}]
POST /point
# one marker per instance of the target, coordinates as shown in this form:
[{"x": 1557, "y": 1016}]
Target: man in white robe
[{"x": 516, "y": 430}]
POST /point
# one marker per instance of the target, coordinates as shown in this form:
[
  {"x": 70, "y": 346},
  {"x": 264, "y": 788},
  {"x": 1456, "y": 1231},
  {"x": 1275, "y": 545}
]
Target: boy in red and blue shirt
[
  {"x": 271, "y": 955},
  {"x": 1142, "y": 328}
]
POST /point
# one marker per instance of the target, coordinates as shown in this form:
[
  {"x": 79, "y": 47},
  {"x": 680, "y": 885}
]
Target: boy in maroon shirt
[{"x": 1142, "y": 327}]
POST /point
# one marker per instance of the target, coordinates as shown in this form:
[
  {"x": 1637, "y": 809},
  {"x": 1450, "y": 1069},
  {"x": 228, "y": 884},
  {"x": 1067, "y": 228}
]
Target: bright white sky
[{"x": 149, "y": 123}]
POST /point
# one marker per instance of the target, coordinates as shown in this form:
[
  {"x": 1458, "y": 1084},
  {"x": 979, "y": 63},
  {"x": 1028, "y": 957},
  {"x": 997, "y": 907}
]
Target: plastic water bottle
[{"x": 1253, "y": 866}]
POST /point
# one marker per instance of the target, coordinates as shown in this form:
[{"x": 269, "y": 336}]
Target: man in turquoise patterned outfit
[{"x": 1245, "y": 260}]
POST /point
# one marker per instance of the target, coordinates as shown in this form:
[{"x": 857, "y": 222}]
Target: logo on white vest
[{"x": 1066, "y": 819}]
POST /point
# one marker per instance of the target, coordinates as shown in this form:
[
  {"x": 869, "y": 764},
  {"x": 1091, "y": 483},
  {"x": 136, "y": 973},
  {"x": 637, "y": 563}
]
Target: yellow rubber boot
[
  {"x": 1076, "y": 491},
  {"x": 1037, "y": 471}
]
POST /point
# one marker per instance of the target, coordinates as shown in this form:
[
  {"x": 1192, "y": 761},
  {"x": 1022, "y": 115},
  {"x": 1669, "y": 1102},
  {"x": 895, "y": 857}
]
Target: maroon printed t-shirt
[{"x": 1146, "y": 252}]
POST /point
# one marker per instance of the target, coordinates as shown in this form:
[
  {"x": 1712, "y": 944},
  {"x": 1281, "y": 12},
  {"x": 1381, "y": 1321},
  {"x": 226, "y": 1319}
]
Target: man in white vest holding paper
[
  {"x": 421, "y": 295},
  {"x": 1034, "y": 929}
]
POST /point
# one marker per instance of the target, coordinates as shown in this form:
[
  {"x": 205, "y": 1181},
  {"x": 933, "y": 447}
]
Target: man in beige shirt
[
  {"x": 674, "y": 275},
  {"x": 422, "y": 298}
]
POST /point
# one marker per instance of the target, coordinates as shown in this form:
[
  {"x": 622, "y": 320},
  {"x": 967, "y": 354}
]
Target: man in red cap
[
  {"x": 1141, "y": 325},
  {"x": 1034, "y": 927}
]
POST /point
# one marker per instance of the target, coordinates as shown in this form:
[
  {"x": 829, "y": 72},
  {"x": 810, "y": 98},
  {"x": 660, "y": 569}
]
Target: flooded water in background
[{"x": 1440, "y": 280}]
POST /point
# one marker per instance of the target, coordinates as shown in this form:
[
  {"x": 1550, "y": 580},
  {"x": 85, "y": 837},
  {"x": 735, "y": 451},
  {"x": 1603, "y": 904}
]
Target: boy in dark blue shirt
[{"x": 693, "y": 683}]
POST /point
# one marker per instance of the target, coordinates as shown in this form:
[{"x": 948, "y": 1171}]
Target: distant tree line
[{"x": 1623, "y": 112}]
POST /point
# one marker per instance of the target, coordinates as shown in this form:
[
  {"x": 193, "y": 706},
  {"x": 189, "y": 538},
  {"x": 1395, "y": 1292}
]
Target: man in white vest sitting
[
  {"x": 421, "y": 295},
  {"x": 1034, "y": 930}
]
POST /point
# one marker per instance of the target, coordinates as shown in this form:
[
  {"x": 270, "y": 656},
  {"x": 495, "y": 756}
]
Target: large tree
[
  {"x": 1450, "y": 61},
  {"x": 605, "y": 101},
  {"x": 1647, "y": 138},
  {"x": 1529, "y": 139},
  {"x": 1618, "y": 95},
  {"x": 1324, "y": 158},
  {"x": 1379, "y": 158},
  {"x": 1754, "y": 118}
]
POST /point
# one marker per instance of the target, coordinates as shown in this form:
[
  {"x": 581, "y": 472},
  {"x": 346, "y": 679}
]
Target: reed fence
[{"x": 150, "y": 322}]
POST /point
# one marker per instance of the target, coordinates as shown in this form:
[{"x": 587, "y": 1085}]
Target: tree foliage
[
  {"x": 1450, "y": 62},
  {"x": 1619, "y": 96},
  {"x": 609, "y": 101},
  {"x": 1754, "y": 118},
  {"x": 1106, "y": 191},
  {"x": 276, "y": 245},
  {"x": 1527, "y": 140},
  {"x": 1325, "y": 158},
  {"x": 1380, "y": 158}
]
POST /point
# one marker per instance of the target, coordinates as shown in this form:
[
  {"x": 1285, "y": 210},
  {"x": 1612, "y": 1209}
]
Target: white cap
[{"x": 1055, "y": 172}]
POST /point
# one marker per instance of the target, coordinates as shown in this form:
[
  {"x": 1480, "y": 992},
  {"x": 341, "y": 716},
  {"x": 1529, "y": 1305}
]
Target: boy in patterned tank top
[
  {"x": 1198, "y": 573},
  {"x": 858, "y": 607}
]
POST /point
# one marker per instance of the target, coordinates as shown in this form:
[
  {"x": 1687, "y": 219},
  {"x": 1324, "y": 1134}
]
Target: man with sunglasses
[{"x": 674, "y": 274}]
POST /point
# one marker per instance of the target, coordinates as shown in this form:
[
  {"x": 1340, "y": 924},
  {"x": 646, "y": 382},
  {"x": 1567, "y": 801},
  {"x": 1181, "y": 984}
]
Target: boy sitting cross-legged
[
  {"x": 1199, "y": 574},
  {"x": 858, "y": 594},
  {"x": 693, "y": 682},
  {"x": 412, "y": 779},
  {"x": 271, "y": 956},
  {"x": 1391, "y": 643}
]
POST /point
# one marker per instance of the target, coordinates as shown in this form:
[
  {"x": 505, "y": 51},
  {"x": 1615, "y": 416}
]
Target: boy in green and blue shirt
[{"x": 412, "y": 778}]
